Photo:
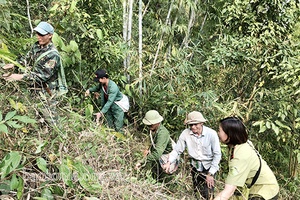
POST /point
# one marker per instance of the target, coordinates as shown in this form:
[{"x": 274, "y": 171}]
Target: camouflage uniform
[{"x": 43, "y": 73}]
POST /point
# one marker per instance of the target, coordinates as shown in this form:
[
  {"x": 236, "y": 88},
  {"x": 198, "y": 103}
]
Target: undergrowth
[{"x": 77, "y": 159}]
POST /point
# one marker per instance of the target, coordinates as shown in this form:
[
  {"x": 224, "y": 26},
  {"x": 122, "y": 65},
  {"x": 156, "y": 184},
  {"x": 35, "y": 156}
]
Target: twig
[{"x": 29, "y": 18}]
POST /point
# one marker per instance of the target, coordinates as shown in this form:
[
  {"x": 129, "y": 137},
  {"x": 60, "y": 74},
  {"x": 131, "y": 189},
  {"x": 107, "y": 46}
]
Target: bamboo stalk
[
  {"x": 140, "y": 45},
  {"x": 125, "y": 25},
  {"x": 161, "y": 40},
  {"x": 190, "y": 25}
]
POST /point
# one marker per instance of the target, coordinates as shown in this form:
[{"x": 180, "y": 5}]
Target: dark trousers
[
  {"x": 200, "y": 185},
  {"x": 158, "y": 174},
  {"x": 261, "y": 198}
]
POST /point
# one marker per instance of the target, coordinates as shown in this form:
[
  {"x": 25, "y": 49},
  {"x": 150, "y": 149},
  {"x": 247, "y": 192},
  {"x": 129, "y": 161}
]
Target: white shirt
[{"x": 204, "y": 149}]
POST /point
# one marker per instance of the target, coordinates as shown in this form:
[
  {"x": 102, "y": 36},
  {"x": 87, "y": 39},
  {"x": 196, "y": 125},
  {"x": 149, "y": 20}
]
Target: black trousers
[
  {"x": 261, "y": 198},
  {"x": 200, "y": 185},
  {"x": 158, "y": 174}
]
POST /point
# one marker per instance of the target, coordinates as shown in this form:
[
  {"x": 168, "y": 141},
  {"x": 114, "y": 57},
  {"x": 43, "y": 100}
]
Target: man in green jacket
[
  {"x": 160, "y": 144},
  {"x": 109, "y": 93}
]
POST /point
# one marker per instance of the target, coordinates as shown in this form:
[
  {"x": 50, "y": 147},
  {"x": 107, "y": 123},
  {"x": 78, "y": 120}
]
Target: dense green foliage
[{"x": 219, "y": 57}]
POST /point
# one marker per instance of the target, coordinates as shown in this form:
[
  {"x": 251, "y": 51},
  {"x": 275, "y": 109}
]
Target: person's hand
[
  {"x": 137, "y": 166},
  {"x": 13, "y": 77},
  {"x": 96, "y": 95},
  {"x": 87, "y": 93},
  {"x": 166, "y": 167},
  {"x": 210, "y": 181},
  {"x": 145, "y": 152},
  {"x": 98, "y": 116},
  {"x": 8, "y": 66}
]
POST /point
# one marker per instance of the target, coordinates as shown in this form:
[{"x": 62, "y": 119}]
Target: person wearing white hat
[
  {"x": 204, "y": 150},
  {"x": 160, "y": 144}
]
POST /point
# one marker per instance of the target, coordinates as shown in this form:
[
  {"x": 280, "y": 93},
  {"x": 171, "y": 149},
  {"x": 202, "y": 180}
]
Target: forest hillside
[{"x": 237, "y": 58}]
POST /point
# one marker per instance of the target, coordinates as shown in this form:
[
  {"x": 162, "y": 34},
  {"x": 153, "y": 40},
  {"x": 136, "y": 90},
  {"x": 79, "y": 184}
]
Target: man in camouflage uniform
[{"x": 42, "y": 64}]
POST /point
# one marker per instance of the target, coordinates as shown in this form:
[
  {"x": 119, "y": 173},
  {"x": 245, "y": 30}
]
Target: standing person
[
  {"x": 109, "y": 94},
  {"x": 42, "y": 69},
  {"x": 161, "y": 143},
  {"x": 244, "y": 163},
  {"x": 203, "y": 147}
]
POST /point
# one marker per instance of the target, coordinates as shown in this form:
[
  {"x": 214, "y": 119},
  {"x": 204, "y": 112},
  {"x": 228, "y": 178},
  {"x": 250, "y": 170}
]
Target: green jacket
[
  {"x": 162, "y": 142},
  {"x": 46, "y": 69},
  {"x": 113, "y": 92}
]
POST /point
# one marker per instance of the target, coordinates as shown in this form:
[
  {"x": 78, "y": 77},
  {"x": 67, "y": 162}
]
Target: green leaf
[
  {"x": 9, "y": 163},
  {"x": 1, "y": 117},
  {"x": 20, "y": 188},
  {"x": 25, "y": 119},
  {"x": 39, "y": 148},
  {"x": 58, "y": 41},
  {"x": 262, "y": 129},
  {"x": 268, "y": 125},
  {"x": 10, "y": 115},
  {"x": 282, "y": 125},
  {"x": 258, "y": 123},
  {"x": 275, "y": 129},
  {"x": 99, "y": 34},
  {"x": 2, "y": 2},
  {"x": 73, "y": 6},
  {"x": 14, "y": 124},
  {"x": 78, "y": 55},
  {"x": 42, "y": 164},
  {"x": 46, "y": 193},
  {"x": 54, "y": 7},
  {"x": 73, "y": 46},
  {"x": 14, "y": 182},
  {"x": 89, "y": 110},
  {"x": 66, "y": 173},
  {"x": 3, "y": 128},
  {"x": 87, "y": 178}
]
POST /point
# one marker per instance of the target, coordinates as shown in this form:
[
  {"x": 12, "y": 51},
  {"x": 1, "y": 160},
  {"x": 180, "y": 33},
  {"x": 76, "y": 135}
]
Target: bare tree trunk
[
  {"x": 140, "y": 46},
  {"x": 125, "y": 22},
  {"x": 127, "y": 26},
  {"x": 161, "y": 39},
  {"x": 129, "y": 35}
]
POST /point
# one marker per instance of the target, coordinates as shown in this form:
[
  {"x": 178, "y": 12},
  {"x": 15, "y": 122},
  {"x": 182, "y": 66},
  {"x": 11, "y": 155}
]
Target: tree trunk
[
  {"x": 127, "y": 26},
  {"x": 140, "y": 45}
]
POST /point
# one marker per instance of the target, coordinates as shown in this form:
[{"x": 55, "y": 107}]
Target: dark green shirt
[
  {"x": 113, "y": 93},
  {"x": 162, "y": 142}
]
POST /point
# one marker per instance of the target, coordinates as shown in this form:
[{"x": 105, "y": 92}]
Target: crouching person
[{"x": 161, "y": 143}]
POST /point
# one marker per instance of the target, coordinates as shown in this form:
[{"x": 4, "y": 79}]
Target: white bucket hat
[
  {"x": 195, "y": 117},
  {"x": 152, "y": 117}
]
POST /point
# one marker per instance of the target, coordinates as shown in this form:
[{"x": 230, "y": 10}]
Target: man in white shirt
[{"x": 203, "y": 147}]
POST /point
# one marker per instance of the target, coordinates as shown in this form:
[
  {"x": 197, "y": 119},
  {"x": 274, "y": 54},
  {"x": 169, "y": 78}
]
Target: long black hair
[{"x": 235, "y": 130}]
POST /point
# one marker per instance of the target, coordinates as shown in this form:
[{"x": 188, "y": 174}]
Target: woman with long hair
[{"x": 247, "y": 169}]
